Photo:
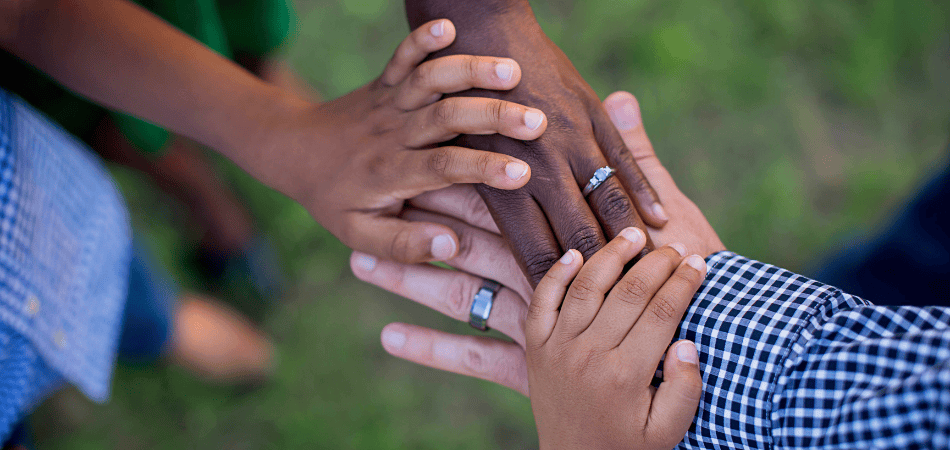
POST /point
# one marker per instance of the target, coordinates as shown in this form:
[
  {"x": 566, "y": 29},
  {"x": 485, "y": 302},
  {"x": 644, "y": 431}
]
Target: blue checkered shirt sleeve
[
  {"x": 789, "y": 362},
  {"x": 65, "y": 247}
]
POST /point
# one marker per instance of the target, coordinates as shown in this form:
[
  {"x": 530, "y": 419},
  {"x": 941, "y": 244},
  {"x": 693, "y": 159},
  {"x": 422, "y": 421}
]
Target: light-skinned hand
[
  {"x": 484, "y": 254},
  {"x": 593, "y": 345},
  {"x": 353, "y": 161}
]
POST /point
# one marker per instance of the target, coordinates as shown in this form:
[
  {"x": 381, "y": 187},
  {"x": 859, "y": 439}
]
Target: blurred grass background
[{"x": 793, "y": 125}]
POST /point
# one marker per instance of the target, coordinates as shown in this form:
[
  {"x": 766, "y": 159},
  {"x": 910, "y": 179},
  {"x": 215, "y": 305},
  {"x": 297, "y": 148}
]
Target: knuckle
[
  {"x": 632, "y": 289},
  {"x": 420, "y": 77},
  {"x": 685, "y": 277},
  {"x": 471, "y": 67},
  {"x": 400, "y": 245},
  {"x": 444, "y": 112},
  {"x": 438, "y": 161},
  {"x": 614, "y": 204},
  {"x": 663, "y": 308},
  {"x": 538, "y": 264},
  {"x": 459, "y": 300},
  {"x": 587, "y": 359},
  {"x": 475, "y": 361},
  {"x": 483, "y": 162},
  {"x": 496, "y": 110},
  {"x": 586, "y": 239},
  {"x": 583, "y": 288}
]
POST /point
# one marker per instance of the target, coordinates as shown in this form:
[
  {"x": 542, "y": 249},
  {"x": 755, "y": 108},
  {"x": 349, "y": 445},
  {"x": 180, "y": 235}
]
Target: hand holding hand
[
  {"x": 591, "y": 359},
  {"x": 353, "y": 161}
]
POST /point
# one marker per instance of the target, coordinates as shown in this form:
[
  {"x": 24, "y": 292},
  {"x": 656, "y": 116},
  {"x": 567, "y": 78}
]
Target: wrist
[
  {"x": 254, "y": 126},
  {"x": 464, "y": 13}
]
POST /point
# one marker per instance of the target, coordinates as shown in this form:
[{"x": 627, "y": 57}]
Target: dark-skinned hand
[{"x": 549, "y": 214}]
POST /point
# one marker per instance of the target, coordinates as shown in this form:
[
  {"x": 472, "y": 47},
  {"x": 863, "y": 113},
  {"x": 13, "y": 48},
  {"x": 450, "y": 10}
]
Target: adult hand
[
  {"x": 353, "y": 161},
  {"x": 484, "y": 254},
  {"x": 550, "y": 214}
]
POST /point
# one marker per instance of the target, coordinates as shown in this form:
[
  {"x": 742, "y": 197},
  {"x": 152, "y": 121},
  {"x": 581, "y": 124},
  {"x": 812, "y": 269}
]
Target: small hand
[
  {"x": 593, "y": 347},
  {"x": 483, "y": 253},
  {"x": 353, "y": 161}
]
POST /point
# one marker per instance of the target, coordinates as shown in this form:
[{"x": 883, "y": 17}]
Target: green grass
[{"x": 793, "y": 125}]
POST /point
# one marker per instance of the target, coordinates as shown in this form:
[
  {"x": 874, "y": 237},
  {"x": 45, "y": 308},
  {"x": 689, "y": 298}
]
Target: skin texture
[
  {"x": 548, "y": 215},
  {"x": 592, "y": 354},
  {"x": 485, "y": 254},
  {"x": 351, "y": 161}
]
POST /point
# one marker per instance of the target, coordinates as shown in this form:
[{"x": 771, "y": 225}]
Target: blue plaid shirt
[
  {"x": 788, "y": 362},
  {"x": 64, "y": 260}
]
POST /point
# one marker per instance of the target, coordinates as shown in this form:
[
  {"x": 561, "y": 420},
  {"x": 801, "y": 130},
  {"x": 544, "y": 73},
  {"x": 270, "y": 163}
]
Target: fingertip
[
  {"x": 362, "y": 263},
  {"x": 518, "y": 171},
  {"x": 571, "y": 258},
  {"x": 658, "y": 213},
  {"x": 679, "y": 247},
  {"x": 534, "y": 119},
  {"x": 508, "y": 72},
  {"x": 697, "y": 262},
  {"x": 443, "y": 30},
  {"x": 618, "y": 98},
  {"x": 443, "y": 246},
  {"x": 393, "y": 338},
  {"x": 686, "y": 352},
  {"x": 635, "y": 236},
  {"x": 624, "y": 110}
]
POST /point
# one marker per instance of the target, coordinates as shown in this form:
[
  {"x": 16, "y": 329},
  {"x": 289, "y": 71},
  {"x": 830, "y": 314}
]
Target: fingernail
[
  {"x": 680, "y": 248},
  {"x": 504, "y": 71},
  {"x": 533, "y": 119},
  {"x": 567, "y": 258},
  {"x": 697, "y": 262},
  {"x": 366, "y": 263},
  {"x": 438, "y": 29},
  {"x": 394, "y": 339},
  {"x": 443, "y": 247},
  {"x": 686, "y": 352},
  {"x": 634, "y": 235},
  {"x": 659, "y": 212},
  {"x": 516, "y": 170}
]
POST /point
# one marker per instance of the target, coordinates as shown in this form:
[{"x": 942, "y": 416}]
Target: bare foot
[{"x": 218, "y": 343}]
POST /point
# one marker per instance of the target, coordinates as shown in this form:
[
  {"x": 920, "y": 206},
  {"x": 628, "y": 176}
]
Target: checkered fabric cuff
[
  {"x": 746, "y": 320},
  {"x": 788, "y": 362}
]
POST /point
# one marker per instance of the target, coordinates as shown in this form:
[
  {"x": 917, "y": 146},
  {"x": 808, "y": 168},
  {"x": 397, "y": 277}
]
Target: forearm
[{"x": 118, "y": 54}]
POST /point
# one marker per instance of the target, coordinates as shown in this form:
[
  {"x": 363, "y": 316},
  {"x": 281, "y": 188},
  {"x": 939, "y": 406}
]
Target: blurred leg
[
  {"x": 909, "y": 263},
  {"x": 196, "y": 332}
]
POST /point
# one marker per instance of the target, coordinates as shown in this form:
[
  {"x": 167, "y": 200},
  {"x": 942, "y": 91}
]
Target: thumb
[
  {"x": 677, "y": 397},
  {"x": 402, "y": 241},
  {"x": 624, "y": 112}
]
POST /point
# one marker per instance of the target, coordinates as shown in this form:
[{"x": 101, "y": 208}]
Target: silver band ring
[
  {"x": 481, "y": 305},
  {"x": 600, "y": 175}
]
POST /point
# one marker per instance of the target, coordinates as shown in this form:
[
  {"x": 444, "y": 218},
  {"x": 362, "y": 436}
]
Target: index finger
[
  {"x": 665, "y": 310},
  {"x": 415, "y": 48}
]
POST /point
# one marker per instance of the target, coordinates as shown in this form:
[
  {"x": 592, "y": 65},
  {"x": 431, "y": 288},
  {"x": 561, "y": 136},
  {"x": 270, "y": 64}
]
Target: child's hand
[
  {"x": 591, "y": 361},
  {"x": 353, "y": 161}
]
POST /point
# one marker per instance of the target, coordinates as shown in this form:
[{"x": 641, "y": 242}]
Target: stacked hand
[
  {"x": 484, "y": 254},
  {"x": 353, "y": 161},
  {"x": 550, "y": 214}
]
